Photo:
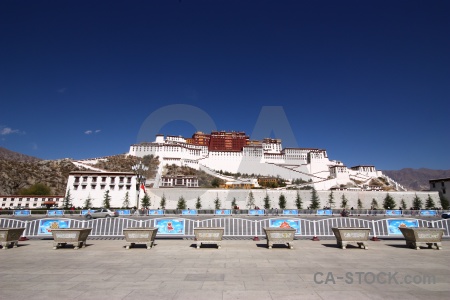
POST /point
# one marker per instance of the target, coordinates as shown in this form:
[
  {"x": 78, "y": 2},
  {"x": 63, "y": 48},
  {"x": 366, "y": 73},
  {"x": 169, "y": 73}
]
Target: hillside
[
  {"x": 204, "y": 180},
  {"x": 6, "y": 154},
  {"x": 15, "y": 175},
  {"x": 124, "y": 163},
  {"x": 416, "y": 179}
]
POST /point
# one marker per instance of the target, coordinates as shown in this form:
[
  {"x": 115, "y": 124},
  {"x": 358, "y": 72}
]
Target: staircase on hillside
[
  {"x": 157, "y": 180},
  {"x": 87, "y": 166},
  {"x": 214, "y": 173},
  {"x": 398, "y": 186}
]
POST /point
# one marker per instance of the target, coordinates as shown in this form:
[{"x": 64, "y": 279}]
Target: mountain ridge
[
  {"x": 7, "y": 154},
  {"x": 416, "y": 179}
]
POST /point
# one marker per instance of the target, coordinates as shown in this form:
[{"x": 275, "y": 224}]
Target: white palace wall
[{"x": 226, "y": 196}]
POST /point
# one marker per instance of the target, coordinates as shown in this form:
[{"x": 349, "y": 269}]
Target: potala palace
[{"x": 234, "y": 152}]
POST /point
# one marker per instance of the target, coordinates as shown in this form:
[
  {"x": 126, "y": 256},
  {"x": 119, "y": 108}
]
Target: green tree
[
  {"x": 298, "y": 201},
  {"x": 417, "y": 202},
  {"x": 126, "y": 200},
  {"x": 215, "y": 182},
  {"x": 198, "y": 204},
  {"x": 88, "y": 202},
  {"x": 106, "y": 200},
  {"x": 315, "y": 201},
  {"x": 359, "y": 204},
  {"x": 389, "y": 202},
  {"x": 67, "y": 203},
  {"x": 374, "y": 203},
  {"x": 429, "y": 203},
  {"x": 217, "y": 202},
  {"x": 233, "y": 203},
  {"x": 181, "y": 204},
  {"x": 403, "y": 204},
  {"x": 282, "y": 201},
  {"x": 444, "y": 201},
  {"x": 36, "y": 189},
  {"x": 267, "y": 201},
  {"x": 331, "y": 200},
  {"x": 251, "y": 200},
  {"x": 145, "y": 201},
  {"x": 162, "y": 203},
  {"x": 344, "y": 201}
]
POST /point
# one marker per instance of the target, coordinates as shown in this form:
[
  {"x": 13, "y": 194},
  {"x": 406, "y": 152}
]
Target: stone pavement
[{"x": 241, "y": 269}]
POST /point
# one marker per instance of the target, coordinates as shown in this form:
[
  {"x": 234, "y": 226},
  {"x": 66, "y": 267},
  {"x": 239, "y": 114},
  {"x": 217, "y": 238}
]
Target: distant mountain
[
  {"x": 416, "y": 179},
  {"x": 15, "y": 156}
]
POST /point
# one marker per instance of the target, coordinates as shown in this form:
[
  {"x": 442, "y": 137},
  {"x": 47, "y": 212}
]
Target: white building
[
  {"x": 179, "y": 181},
  {"x": 265, "y": 158},
  {"x": 441, "y": 185},
  {"x": 30, "y": 201},
  {"x": 85, "y": 184}
]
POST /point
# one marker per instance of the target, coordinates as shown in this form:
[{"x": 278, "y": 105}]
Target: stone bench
[
  {"x": 277, "y": 235},
  {"x": 208, "y": 235},
  {"x": 421, "y": 236},
  {"x": 140, "y": 235},
  {"x": 345, "y": 235},
  {"x": 75, "y": 236},
  {"x": 10, "y": 236}
]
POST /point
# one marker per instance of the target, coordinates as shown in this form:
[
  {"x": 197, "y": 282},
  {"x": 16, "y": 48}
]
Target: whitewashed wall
[{"x": 226, "y": 196}]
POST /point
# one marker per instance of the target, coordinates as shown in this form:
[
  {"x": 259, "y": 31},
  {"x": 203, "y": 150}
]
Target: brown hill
[
  {"x": 7, "y": 154},
  {"x": 416, "y": 179},
  {"x": 15, "y": 175}
]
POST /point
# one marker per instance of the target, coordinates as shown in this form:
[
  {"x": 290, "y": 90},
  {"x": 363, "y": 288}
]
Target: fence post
[
  {"x": 315, "y": 238},
  {"x": 374, "y": 238},
  {"x": 22, "y": 238},
  {"x": 256, "y": 238}
]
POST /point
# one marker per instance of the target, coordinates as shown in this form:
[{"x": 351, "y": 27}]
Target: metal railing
[{"x": 234, "y": 227}]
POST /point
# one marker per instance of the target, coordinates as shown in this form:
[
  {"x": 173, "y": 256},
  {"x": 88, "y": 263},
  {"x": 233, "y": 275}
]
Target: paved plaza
[{"x": 241, "y": 269}]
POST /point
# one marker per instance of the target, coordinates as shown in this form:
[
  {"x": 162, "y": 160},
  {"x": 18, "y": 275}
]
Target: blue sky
[{"x": 367, "y": 80}]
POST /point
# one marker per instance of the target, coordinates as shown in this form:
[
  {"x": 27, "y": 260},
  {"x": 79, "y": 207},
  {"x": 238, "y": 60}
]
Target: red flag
[{"x": 143, "y": 188}]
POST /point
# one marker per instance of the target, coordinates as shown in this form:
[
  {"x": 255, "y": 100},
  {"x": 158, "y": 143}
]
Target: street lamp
[{"x": 139, "y": 169}]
